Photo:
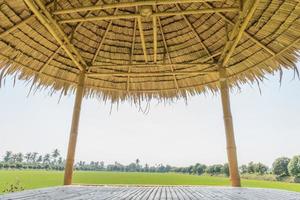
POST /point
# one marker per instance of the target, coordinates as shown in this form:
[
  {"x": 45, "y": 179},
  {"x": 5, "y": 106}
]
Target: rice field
[{"x": 30, "y": 179}]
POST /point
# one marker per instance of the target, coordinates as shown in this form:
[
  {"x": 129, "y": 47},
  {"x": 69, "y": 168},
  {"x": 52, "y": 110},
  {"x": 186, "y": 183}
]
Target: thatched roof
[{"x": 145, "y": 49}]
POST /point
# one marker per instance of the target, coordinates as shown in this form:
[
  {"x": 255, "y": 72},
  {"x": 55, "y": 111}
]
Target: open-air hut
[{"x": 118, "y": 50}]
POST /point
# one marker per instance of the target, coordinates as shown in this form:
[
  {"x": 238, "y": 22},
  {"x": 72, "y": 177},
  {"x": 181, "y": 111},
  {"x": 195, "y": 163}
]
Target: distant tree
[
  {"x": 102, "y": 165},
  {"x": 251, "y": 168},
  {"x": 27, "y": 157},
  {"x": 210, "y": 170},
  {"x": 294, "y": 166},
  {"x": 214, "y": 169},
  {"x": 280, "y": 166},
  {"x": 33, "y": 157},
  {"x": 243, "y": 169},
  {"x": 137, "y": 161},
  {"x": 260, "y": 168},
  {"x": 14, "y": 158},
  {"x": 8, "y": 156},
  {"x": 225, "y": 169},
  {"x": 19, "y": 157},
  {"x": 55, "y": 155},
  {"x": 199, "y": 169},
  {"x": 39, "y": 159},
  {"x": 46, "y": 159},
  {"x": 146, "y": 168},
  {"x": 60, "y": 161}
]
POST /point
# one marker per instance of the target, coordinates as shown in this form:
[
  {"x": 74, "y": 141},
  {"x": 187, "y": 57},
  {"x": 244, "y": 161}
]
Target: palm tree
[
  {"x": 19, "y": 157},
  {"x": 33, "y": 156},
  {"x": 8, "y": 156},
  {"x": 137, "y": 162},
  {"x": 40, "y": 159},
  {"x": 46, "y": 158},
  {"x": 27, "y": 157},
  {"x": 55, "y": 154}
]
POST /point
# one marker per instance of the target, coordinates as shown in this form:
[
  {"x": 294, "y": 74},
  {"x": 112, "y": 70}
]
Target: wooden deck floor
[{"x": 151, "y": 193}]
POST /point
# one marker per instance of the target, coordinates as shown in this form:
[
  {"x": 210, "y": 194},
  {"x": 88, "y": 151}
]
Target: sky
[{"x": 267, "y": 126}]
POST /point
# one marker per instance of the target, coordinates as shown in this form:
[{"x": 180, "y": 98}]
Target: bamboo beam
[
  {"x": 230, "y": 140},
  {"x": 154, "y": 39},
  {"x": 103, "y": 38},
  {"x": 140, "y": 24},
  {"x": 158, "y": 14},
  {"x": 259, "y": 43},
  {"x": 74, "y": 130},
  {"x": 127, "y": 4},
  {"x": 70, "y": 36},
  {"x": 178, "y": 65},
  {"x": 148, "y": 74},
  {"x": 56, "y": 32},
  {"x": 240, "y": 32},
  {"x": 195, "y": 33}
]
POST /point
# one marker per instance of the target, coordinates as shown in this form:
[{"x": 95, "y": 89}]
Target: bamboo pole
[
  {"x": 231, "y": 147},
  {"x": 158, "y": 14},
  {"x": 74, "y": 130},
  {"x": 127, "y": 4}
]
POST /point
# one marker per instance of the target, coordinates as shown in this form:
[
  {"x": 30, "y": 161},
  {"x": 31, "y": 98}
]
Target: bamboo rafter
[
  {"x": 140, "y": 24},
  {"x": 70, "y": 36},
  {"x": 22, "y": 23},
  {"x": 103, "y": 38},
  {"x": 168, "y": 54},
  {"x": 154, "y": 19},
  {"x": 128, "y": 4},
  {"x": 195, "y": 33},
  {"x": 132, "y": 51},
  {"x": 158, "y": 14},
  {"x": 237, "y": 34},
  {"x": 259, "y": 43},
  {"x": 56, "y": 32}
]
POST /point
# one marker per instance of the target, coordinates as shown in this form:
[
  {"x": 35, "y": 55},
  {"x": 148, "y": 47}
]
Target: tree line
[{"x": 281, "y": 167}]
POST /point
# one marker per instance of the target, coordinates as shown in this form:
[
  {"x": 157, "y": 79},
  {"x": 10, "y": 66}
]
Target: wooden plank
[{"x": 151, "y": 193}]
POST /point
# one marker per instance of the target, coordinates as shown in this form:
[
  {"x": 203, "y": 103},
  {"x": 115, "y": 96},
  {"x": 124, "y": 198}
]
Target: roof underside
[{"x": 145, "y": 49}]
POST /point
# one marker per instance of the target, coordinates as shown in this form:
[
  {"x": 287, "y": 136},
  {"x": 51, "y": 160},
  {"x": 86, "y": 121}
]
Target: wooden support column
[
  {"x": 231, "y": 148},
  {"x": 74, "y": 130}
]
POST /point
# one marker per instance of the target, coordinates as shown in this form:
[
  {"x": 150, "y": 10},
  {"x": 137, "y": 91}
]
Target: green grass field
[{"x": 39, "y": 179}]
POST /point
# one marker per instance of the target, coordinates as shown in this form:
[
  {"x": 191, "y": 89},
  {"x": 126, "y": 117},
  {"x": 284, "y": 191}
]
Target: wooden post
[
  {"x": 231, "y": 148},
  {"x": 74, "y": 130}
]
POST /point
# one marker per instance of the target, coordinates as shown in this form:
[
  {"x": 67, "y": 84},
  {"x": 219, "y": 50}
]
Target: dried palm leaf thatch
[{"x": 146, "y": 49}]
